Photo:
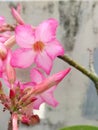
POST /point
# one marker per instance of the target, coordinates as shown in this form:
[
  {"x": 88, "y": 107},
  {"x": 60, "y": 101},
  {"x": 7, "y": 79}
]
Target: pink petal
[
  {"x": 24, "y": 36},
  {"x": 44, "y": 61},
  {"x": 1, "y": 65},
  {"x": 54, "y": 49},
  {"x": 36, "y": 76},
  {"x": 2, "y": 20},
  {"x": 49, "y": 99},
  {"x": 46, "y": 31},
  {"x": 38, "y": 102},
  {"x": 25, "y": 85},
  {"x": 22, "y": 58},
  {"x": 46, "y": 97}
]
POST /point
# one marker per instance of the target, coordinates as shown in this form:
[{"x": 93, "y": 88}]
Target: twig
[{"x": 89, "y": 74}]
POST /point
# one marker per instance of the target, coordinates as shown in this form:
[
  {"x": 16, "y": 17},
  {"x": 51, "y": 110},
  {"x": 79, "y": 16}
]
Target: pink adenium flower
[
  {"x": 45, "y": 94},
  {"x": 37, "y": 45}
]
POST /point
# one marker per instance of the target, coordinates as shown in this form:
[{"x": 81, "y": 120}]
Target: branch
[{"x": 89, "y": 74}]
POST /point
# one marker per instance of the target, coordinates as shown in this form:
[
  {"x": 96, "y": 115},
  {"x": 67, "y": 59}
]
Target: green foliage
[{"x": 82, "y": 127}]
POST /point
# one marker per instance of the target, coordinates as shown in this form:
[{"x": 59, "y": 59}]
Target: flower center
[{"x": 38, "y": 46}]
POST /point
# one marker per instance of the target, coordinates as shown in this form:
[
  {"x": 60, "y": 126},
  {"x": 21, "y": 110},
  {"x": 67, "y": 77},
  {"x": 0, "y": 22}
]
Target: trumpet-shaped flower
[
  {"x": 47, "y": 96},
  {"x": 37, "y": 45},
  {"x": 44, "y": 87}
]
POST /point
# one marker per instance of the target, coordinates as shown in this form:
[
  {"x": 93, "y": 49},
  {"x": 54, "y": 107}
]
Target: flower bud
[
  {"x": 51, "y": 81},
  {"x": 10, "y": 71}
]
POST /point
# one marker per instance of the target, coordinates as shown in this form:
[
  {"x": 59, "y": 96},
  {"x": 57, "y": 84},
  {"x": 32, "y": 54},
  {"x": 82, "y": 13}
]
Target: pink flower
[
  {"x": 47, "y": 96},
  {"x": 38, "y": 45},
  {"x": 44, "y": 88}
]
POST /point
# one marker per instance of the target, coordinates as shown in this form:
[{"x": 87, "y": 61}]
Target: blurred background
[{"x": 77, "y": 31}]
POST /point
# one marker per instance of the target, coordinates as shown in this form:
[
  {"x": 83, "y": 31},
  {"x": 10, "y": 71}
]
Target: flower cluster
[{"x": 38, "y": 46}]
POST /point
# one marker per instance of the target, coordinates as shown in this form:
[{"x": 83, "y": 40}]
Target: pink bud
[
  {"x": 25, "y": 120},
  {"x": 34, "y": 119},
  {"x": 17, "y": 16},
  {"x": 3, "y": 51},
  {"x": 33, "y": 99},
  {"x": 18, "y": 7},
  {"x": 10, "y": 71},
  {"x": 59, "y": 76},
  {"x": 12, "y": 94},
  {"x": 10, "y": 74},
  {"x": 51, "y": 81}
]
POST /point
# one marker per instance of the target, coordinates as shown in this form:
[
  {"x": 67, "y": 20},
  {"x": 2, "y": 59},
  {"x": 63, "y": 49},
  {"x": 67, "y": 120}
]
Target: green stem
[{"x": 82, "y": 69}]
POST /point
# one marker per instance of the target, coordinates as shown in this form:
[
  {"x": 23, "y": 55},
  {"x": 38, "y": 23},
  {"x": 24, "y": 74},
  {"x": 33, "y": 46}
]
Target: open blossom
[
  {"x": 43, "y": 89},
  {"x": 38, "y": 45},
  {"x": 47, "y": 96}
]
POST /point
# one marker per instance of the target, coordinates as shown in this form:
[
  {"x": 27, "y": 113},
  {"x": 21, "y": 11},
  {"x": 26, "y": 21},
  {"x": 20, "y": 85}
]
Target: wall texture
[{"x": 78, "y": 31}]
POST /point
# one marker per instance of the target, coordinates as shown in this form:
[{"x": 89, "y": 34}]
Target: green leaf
[{"x": 82, "y": 127}]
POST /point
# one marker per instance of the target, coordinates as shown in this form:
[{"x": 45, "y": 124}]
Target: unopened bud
[
  {"x": 10, "y": 71},
  {"x": 11, "y": 74},
  {"x": 17, "y": 16},
  {"x": 25, "y": 120},
  {"x": 12, "y": 94},
  {"x": 34, "y": 119},
  {"x": 51, "y": 81},
  {"x": 3, "y": 51}
]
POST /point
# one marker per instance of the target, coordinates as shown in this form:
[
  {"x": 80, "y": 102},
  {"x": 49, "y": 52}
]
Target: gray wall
[{"x": 78, "y": 31}]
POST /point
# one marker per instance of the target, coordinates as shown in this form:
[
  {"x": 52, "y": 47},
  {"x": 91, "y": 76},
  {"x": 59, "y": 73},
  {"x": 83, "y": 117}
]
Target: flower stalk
[
  {"x": 91, "y": 75},
  {"x": 14, "y": 121}
]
